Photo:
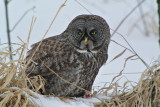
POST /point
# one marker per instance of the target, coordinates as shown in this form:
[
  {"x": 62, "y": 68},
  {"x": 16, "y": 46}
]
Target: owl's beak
[{"x": 86, "y": 41}]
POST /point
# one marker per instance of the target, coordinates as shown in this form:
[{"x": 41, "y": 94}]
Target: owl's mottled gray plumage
[{"x": 76, "y": 55}]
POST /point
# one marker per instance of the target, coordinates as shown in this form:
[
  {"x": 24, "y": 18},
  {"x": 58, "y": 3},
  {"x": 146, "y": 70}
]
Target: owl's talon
[{"x": 87, "y": 95}]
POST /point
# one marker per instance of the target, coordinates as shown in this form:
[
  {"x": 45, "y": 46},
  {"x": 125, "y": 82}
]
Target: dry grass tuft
[
  {"x": 145, "y": 94},
  {"x": 14, "y": 84}
]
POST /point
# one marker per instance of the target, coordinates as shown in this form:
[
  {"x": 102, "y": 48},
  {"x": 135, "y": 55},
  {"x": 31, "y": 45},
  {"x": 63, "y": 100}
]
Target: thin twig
[
  {"x": 45, "y": 33},
  {"x": 135, "y": 52},
  {"x": 31, "y": 28},
  {"x": 70, "y": 82},
  {"x": 11, "y": 43},
  {"x": 158, "y": 4},
  {"x": 123, "y": 73},
  {"x": 8, "y": 31},
  {"x": 127, "y": 16},
  {"x": 143, "y": 19},
  {"x": 123, "y": 46},
  {"x": 83, "y": 6},
  {"x": 120, "y": 73},
  {"x": 55, "y": 17},
  {"x": 64, "y": 79},
  {"x": 95, "y": 5},
  {"x": 25, "y": 13},
  {"x": 132, "y": 50}
]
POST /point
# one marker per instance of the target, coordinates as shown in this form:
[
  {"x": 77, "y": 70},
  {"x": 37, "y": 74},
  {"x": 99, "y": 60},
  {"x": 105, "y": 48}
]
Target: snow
[
  {"x": 44, "y": 101},
  {"x": 113, "y": 11},
  {"x": 56, "y": 102}
]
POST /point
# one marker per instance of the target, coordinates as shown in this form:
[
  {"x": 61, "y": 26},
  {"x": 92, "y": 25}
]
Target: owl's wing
[{"x": 49, "y": 54}]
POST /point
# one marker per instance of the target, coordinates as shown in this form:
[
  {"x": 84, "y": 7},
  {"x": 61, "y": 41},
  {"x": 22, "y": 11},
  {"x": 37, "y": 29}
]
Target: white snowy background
[{"x": 113, "y": 11}]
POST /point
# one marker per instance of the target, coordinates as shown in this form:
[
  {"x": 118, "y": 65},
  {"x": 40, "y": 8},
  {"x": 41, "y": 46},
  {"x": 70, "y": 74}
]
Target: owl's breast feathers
[{"x": 78, "y": 68}]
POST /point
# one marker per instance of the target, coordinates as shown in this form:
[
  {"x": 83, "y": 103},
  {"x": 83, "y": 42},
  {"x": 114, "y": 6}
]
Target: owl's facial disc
[
  {"x": 87, "y": 41},
  {"x": 87, "y": 36}
]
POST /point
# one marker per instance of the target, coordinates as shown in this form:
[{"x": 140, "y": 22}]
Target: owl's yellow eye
[
  {"x": 93, "y": 32},
  {"x": 80, "y": 33}
]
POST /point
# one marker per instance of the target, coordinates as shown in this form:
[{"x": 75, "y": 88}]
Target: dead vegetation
[
  {"x": 14, "y": 90},
  {"x": 145, "y": 94}
]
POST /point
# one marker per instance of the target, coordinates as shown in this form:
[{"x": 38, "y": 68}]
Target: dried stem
[
  {"x": 83, "y": 6},
  {"x": 122, "y": 46},
  {"x": 45, "y": 33},
  {"x": 70, "y": 82},
  {"x": 131, "y": 50},
  {"x": 8, "y": 31},
  {"x": 143, "y": 20},
  {"x": 25, "y": 13},
  {"x": 135, "y": 52},
  {"x": 123, "y": 73},
  {"x": 158, "y": 3},
  {"x": 127, "y": 16}
]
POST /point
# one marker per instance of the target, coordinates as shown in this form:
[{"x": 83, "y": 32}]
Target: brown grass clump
[
  {"x": 145, "y": 94},
  {"x": 14, "y": 90}
]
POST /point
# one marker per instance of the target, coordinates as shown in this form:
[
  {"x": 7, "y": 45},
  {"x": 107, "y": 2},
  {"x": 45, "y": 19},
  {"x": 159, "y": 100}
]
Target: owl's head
[{"x": 88, "y": 33}]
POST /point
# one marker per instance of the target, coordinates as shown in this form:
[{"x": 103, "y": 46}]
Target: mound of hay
[
  {"x": 14, "y": 90},
  {"x": 145, "y": 94}
]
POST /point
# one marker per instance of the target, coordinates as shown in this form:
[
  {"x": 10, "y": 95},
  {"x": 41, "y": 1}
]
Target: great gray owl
[{"x": 76, "y": 55}]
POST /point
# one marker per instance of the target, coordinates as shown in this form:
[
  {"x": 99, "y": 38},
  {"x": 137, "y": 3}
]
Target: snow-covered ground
[
  {"x": 44, "y": 101},
  {"x": 113, "y": 11}
]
